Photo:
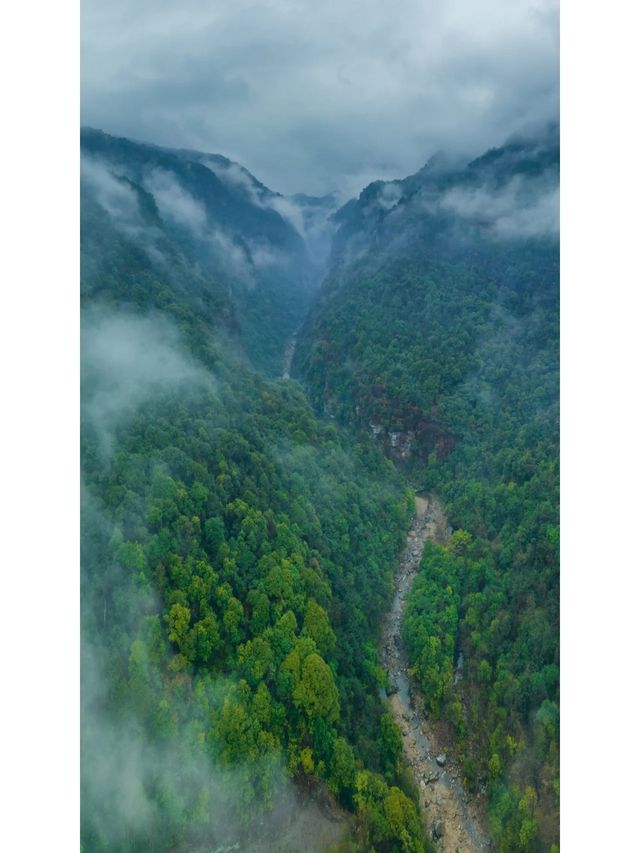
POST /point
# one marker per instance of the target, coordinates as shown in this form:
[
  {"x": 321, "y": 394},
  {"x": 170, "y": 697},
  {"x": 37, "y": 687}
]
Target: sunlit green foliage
[
  {"x": 238, "y": 565},
  {"x": 447, "y": 336}
]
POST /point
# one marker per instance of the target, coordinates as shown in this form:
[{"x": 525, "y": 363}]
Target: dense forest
[
  {"x": 240, "y": 532},
  {"x": 237, "y": 562},
  {"x": 437, "y": 333},
  {"x": 211, "y": 227}
]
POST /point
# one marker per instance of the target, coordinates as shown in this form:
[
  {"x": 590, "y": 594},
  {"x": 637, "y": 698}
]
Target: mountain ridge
[{"x": 240, "y": 543}]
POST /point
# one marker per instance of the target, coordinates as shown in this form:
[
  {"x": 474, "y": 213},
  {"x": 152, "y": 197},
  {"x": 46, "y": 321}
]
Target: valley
[
  {"x": 240, "y": 610},
  {"x": 451, "y": 818}
]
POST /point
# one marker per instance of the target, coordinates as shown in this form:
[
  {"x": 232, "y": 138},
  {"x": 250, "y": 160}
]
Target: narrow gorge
[
  {"x": 253, "y": 415},
  {"x": 451, "y": 819}
]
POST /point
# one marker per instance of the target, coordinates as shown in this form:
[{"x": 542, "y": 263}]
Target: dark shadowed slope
[{"x": 230, "y": 227}]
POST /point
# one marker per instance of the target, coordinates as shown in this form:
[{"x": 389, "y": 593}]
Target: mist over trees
[
  {"x": 240, "y": 531},
  {"x": 437, "y": 334},
  {"x": 237, "y": 560}
]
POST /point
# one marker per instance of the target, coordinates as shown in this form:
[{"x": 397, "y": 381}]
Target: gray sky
[{"x": 317, "y": 95}]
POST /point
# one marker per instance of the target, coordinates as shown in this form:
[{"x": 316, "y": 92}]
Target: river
[{"x": 450, "y": 817}]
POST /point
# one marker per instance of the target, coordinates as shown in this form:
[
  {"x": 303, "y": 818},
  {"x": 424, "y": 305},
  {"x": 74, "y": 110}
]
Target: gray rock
[
  {"x": 441, "y": 759},
  {"x": 437, "y": 830}
]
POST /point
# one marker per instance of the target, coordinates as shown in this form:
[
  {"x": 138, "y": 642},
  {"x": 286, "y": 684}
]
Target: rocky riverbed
[{"x": 452, "y": 819}]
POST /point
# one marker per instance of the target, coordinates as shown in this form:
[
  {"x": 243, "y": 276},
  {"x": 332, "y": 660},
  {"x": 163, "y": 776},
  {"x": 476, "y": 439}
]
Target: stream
[
  {"x": 450, "y": 816},
  {"x": 289, "y": 352}
]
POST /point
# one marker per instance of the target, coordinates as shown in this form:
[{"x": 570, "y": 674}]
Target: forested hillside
[
  {"x": 240, "y": 532},
  {"x": 436, "y": 332},
  {"x": 237, "y": 552},
  {"x": 207, "y": 227}
]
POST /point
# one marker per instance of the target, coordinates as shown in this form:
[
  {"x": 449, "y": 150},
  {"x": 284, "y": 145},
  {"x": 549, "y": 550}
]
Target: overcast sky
[{"x": 317, "y": 95}]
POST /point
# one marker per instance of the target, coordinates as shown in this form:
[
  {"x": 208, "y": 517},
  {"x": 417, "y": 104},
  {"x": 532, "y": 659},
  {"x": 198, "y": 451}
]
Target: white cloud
[
  {"x": 306, "y": 93},
  {"x": 126, "y": 359},
  {"x": 120, "y": 200},
  {"x": 519, "y": 209},
  {"x": 174, "y": 202},
  {"x": 114, "y": 195}
]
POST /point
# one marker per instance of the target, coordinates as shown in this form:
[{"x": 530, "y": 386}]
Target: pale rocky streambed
[{"x": 451, "y": 817}]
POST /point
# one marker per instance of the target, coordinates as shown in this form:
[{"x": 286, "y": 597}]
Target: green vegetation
[
  {"x": 238, "y": 550},
  {"x": 243, "y": 570},
  {"x": 205, "y": 228},
  {"x": 237, "y": 560},
  {"x": 450, "y": 340}
]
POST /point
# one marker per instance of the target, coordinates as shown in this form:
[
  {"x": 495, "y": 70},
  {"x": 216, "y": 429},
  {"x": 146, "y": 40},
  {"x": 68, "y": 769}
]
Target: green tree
[
  {"x": 316, "y": 625},
  {"x": 316, "y": 692}
]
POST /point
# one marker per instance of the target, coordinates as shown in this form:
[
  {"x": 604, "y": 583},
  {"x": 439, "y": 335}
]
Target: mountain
[
  {"x": 436, "y": 332},
  {"x": 241, "y": 532},
  {"x": 508, "y": 194},
  {"x": 209, "y": 230},
  {"x": 237, "y": 551}
]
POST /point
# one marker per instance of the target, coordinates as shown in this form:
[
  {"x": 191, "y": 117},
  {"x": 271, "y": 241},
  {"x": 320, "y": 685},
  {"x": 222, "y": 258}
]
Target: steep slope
[
  {"x": 232, "y": 228},
  {"x": 238, "y": 551},
  {"x": 237, "y": 555},
  {"x": 436, "y": 332}
]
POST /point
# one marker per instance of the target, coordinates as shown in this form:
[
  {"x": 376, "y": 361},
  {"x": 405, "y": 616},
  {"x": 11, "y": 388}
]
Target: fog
[
  {"x": 520, "y": 209},
  {"x": 126, "y": 359},
  {"x": 317, "y": 97},
  {"x": 138, "y": 791}
]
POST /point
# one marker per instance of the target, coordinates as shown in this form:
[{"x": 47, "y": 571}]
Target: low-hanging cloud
[
  {"x": 146, "y": 790},
  {"x": 127, "y": 775},
  {"x": 234, "y": 257},
  {"x": 179, "y": 207},
  {"x": 390, "y": 195},
  {"x": 126, "y": 359},
  {"x": 264, "y": 255},
  {"x": 119, "y": 199},
  {"x": 516, "y": 210},
  {"x": 237, "y": 177},
  {"x": 313, "y": 97},
  {"x": 115, "y": 195},
  {"x": 174, "y": 202}
]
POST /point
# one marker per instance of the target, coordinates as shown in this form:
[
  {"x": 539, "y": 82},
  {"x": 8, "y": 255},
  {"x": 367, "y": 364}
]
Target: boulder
[
  {"x": 441, "y": 759},
  {"x": 437, "y": 830}
]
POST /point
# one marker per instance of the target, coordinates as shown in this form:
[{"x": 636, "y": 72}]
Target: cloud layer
[
  {"x": 126, "y": 359},
  {"x": 326, "y": 96},
  {"x": 516, "y": 210}
]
